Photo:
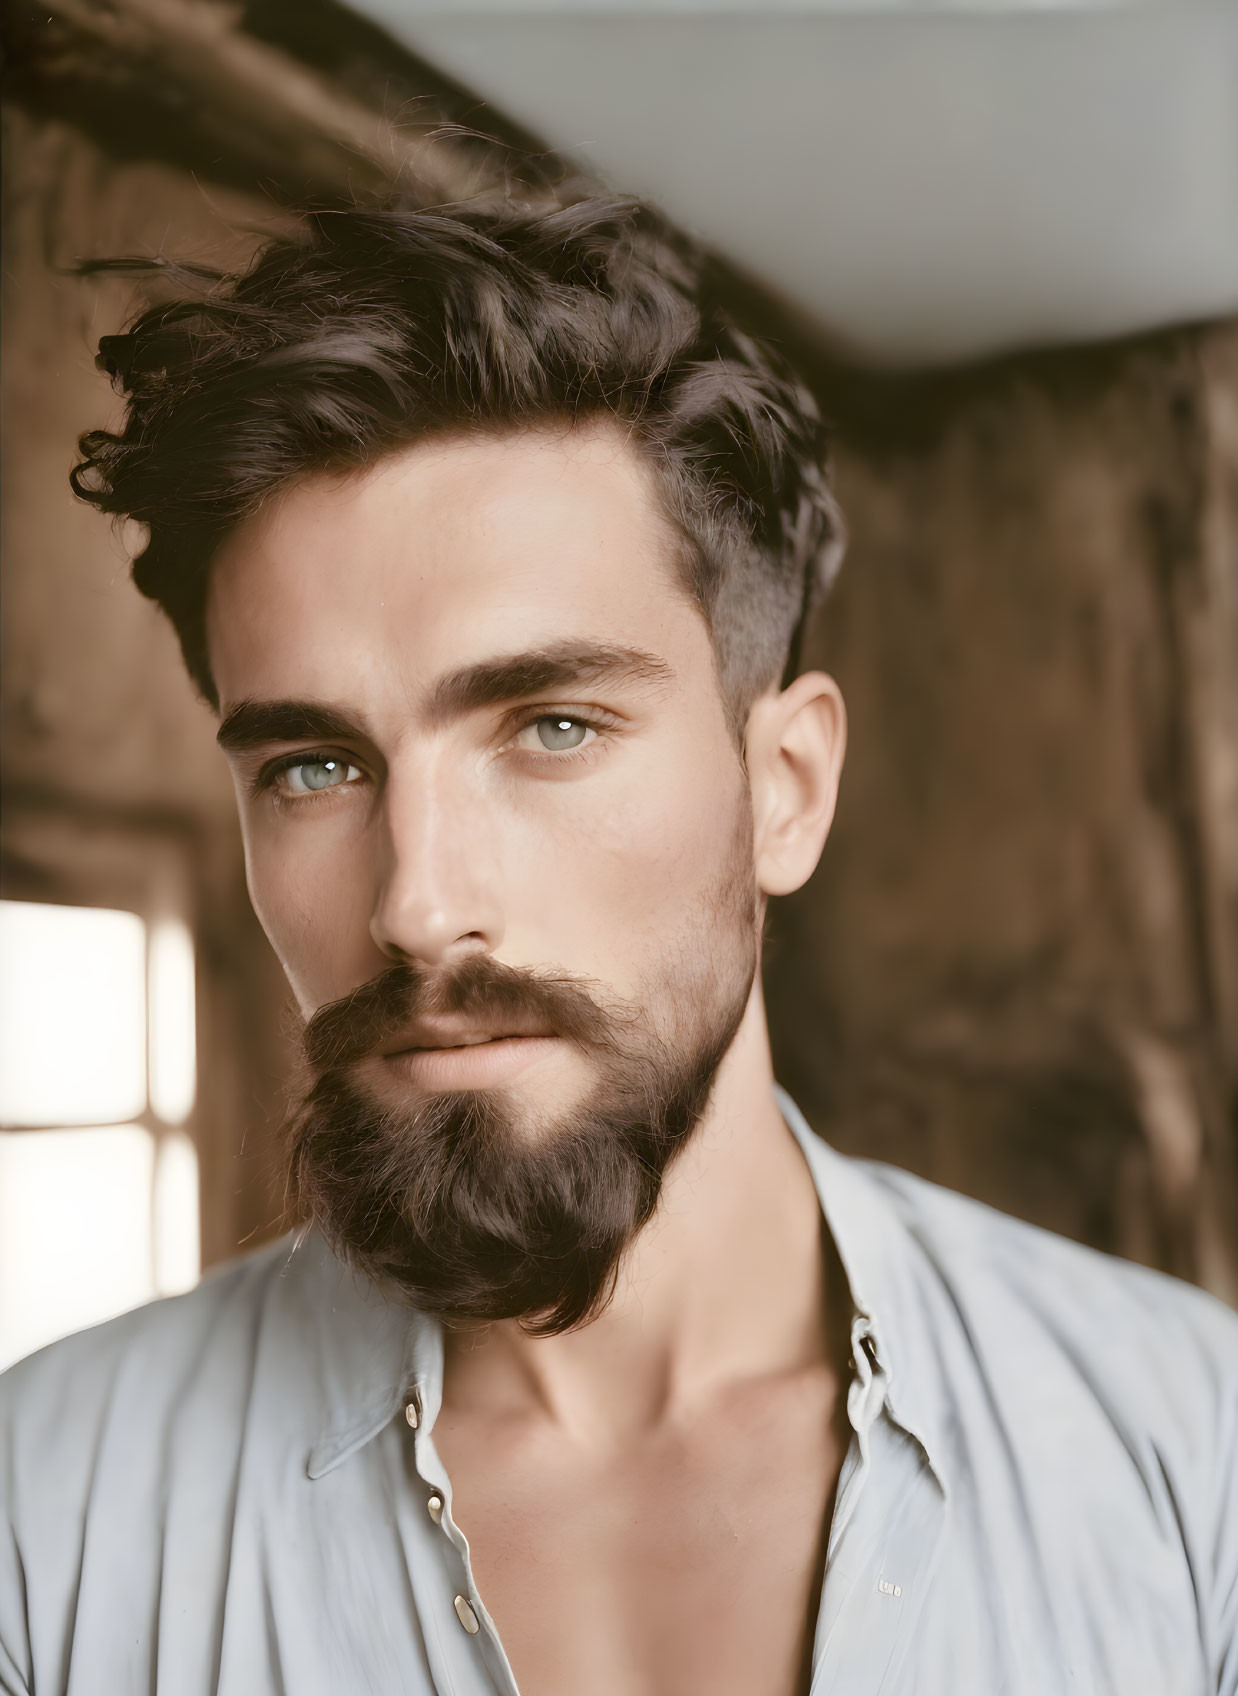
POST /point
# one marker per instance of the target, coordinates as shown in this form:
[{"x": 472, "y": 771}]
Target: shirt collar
[
  {"x": 374, "y": 1356},
  {"x": 885, "y": 1275},
  {"x": 370, "y": 1355}
]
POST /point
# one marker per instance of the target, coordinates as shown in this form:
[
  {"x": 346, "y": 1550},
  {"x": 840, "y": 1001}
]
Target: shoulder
[
  {"x": 96, "y": 1428},
  {"x": 1111, "y": 1386},
  {"x": 56, "y": 1401},
  {"x": 1002, "y": 1271},
  {"x": 1095, "y": 1370}
]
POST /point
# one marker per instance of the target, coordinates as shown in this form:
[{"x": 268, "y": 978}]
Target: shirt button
[
  {"x": 412, "y": 1413},
  {"x": 435, "y": 1509},
  {"x": 466, "y": 1616}
]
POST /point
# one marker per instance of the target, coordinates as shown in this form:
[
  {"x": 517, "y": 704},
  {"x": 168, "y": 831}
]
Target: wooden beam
[{"x": 180, "y": 80}]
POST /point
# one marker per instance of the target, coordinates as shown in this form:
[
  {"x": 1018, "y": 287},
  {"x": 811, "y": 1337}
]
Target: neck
[{"x": 725, "y": 1283}]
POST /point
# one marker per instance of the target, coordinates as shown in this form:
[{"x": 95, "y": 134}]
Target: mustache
[{"x": 358, "y": 1024}]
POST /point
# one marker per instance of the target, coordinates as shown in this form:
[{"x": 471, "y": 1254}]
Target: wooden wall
[
  {"x": 1016, "y": 970},
  {"x": 106, "y": 752}
]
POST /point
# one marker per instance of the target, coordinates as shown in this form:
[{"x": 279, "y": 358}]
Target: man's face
[{"x": 479, "y": 748}]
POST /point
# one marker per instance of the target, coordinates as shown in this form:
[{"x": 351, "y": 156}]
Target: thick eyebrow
[
  {"x": 255, "y": 724},
  {"x": 514, "y": 677}
]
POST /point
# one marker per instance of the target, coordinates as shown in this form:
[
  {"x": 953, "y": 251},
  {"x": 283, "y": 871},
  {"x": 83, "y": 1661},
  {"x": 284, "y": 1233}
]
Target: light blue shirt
[{"x": 223, "y": 1492}]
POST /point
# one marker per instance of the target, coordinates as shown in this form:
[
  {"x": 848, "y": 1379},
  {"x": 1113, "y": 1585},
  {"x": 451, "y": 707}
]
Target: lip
[
  {"x": 477, "y": 1063},
  {"x": 434, "y": 1035}
]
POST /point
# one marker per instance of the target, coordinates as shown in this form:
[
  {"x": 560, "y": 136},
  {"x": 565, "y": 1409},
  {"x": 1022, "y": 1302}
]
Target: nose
[{"x": 437, "y": 898}]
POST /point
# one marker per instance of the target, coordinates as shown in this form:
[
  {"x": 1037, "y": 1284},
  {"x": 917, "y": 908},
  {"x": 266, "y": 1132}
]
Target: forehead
[{"x": 445, "y": 554}]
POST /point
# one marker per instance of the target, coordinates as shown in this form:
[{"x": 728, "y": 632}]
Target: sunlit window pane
[
  {"x": 172, "y": 1029},
  {"x": 75, "y": 1231},
  {"x": 72, "y": 1014},
  {"x": 178, "y": 1259}
]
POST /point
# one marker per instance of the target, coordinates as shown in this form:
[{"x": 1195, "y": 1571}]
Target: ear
[{"x": 793, "y": 750}]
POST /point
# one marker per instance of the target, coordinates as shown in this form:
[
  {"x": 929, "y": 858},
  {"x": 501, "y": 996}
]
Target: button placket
[{"x": 436, "y": 1506}]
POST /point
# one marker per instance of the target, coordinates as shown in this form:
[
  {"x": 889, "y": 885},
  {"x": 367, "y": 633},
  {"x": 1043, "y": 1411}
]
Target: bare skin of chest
[{"x": 685, "y": 1558}]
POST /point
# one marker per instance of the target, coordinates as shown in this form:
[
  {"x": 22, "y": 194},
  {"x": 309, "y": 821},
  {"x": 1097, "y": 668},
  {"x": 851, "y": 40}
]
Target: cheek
[
  {"x": 621, "y": 877},
  {"x": 309, "y": 895}
]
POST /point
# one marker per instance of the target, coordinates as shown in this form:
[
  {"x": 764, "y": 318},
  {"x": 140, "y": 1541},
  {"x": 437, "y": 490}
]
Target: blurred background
[{"x": 1002, "y": 242}]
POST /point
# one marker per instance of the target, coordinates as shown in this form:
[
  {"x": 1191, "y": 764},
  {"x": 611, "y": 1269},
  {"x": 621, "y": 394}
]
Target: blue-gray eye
[
  {"x": 308, "y": 776},
  {"x": 556, "y": 734}
]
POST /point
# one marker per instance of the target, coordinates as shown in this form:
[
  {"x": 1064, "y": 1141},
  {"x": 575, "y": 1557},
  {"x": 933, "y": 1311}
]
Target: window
[{"x": 98, "y": 1170}]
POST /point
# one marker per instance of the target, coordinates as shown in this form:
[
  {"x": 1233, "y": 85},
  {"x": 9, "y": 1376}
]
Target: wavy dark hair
[{"x": 370, "y": 329}]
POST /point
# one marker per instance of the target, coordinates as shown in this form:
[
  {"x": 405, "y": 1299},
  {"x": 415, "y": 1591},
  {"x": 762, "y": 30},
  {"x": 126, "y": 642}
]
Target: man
[{"x": 594, "y": 1372}]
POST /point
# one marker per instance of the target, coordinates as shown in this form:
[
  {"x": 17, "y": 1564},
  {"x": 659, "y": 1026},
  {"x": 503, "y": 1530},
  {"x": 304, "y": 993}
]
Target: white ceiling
[{"x": 927, "y": 182}]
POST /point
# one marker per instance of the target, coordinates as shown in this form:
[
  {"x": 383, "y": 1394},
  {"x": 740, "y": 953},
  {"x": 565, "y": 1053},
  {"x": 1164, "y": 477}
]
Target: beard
[{"x": 471, "y": 1212}]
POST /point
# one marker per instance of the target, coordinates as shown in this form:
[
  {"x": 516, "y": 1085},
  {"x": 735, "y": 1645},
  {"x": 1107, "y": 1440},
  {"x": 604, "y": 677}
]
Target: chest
[{"x": 689, "y": 1561}]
